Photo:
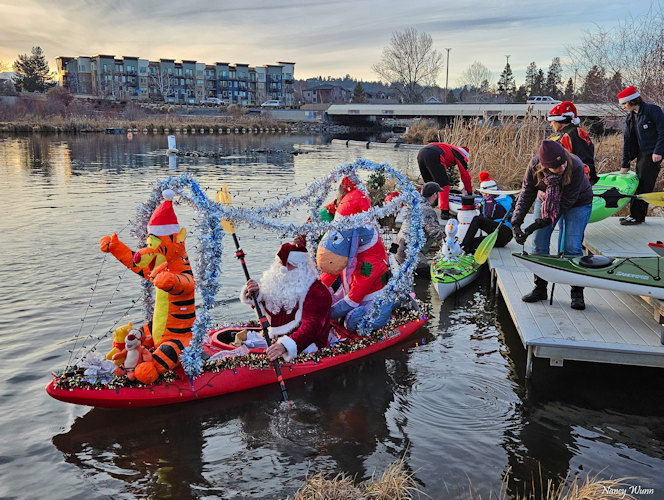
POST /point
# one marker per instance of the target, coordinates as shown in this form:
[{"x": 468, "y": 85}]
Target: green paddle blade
[
  {"x": 484, "y": 248},
  {"x": 652, "y": 198}
]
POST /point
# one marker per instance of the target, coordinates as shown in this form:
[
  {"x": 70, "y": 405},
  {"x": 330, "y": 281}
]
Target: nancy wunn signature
[{"x": 633, "y": 489}]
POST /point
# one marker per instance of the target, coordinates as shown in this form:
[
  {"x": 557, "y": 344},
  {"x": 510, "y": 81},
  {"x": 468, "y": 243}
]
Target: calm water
[{"x": 452, "y": 401}]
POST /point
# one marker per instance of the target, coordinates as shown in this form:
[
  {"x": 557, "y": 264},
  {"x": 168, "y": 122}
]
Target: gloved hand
[
  {"x": 445, "y": 214},
  {"x": 519, "y": 236}
]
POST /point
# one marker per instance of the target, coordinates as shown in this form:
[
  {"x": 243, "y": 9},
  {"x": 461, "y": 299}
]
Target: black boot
[
  {"x": 577, "y": 298},
  {"x": 538, "y": 293}
]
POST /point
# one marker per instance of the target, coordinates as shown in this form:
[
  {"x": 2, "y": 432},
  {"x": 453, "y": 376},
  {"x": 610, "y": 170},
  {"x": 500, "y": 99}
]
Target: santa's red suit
[{"x": 296, "y": 302}]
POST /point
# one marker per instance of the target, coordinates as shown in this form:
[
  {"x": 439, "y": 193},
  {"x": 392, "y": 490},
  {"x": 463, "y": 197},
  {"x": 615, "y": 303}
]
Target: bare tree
[
  {"x": 634, "y": 49},
  {"x": 164, "y": 82},
  {"x": 410, "y": 64},
  {"x": 475, "y": 75}
]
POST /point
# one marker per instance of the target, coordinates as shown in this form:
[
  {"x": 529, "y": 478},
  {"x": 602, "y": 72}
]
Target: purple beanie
[{"x": 551, "y": 154}]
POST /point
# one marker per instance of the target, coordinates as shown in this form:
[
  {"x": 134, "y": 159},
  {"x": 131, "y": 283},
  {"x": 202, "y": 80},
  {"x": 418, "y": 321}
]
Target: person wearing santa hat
[
  {"x": 565, "y": 123},
  {"x": 433, "y": 161},
  {"x": 492, "y": 210},
  {"x": 295, "y": 301},
  {"x": 643, "y": 142}
]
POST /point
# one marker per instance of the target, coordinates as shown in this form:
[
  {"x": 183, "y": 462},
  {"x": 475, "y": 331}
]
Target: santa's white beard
[{"x": 281, "y": 288}]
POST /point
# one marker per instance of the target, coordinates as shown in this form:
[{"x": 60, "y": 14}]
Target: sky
[{"x": 323, "y": 37}]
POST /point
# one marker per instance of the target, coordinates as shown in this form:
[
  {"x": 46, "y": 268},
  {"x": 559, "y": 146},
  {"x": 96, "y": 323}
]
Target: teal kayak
[{"x": 625, "y": 183}]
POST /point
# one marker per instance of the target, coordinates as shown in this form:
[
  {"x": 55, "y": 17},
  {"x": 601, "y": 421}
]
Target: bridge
[{"x": 445, "y": 113}]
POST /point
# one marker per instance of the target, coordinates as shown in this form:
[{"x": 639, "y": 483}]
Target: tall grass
[
  {"x": 397, "y": 483},
  {"x": 505, "y": 150}
]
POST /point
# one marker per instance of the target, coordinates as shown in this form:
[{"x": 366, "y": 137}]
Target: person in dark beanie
[
  {"x": 433, "y": 161},
  {"x": 643, "y": 141},
  {"x": 568, "y": 196},
  {"x": 433, "y": 229},
  {"x": 565, "y": 122}
]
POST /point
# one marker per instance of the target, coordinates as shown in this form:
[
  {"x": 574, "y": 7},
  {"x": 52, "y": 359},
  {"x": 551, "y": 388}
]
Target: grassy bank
[
  {"x": 75, "y": 124},
  {"x": 396, "y": 483}
]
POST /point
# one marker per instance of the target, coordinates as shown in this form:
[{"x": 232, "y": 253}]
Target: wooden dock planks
[{"x": 614, "y": 328}]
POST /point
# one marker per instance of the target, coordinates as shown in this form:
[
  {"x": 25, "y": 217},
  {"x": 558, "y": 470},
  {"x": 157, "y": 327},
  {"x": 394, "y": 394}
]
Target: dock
[{"x": 614, "y": 328}]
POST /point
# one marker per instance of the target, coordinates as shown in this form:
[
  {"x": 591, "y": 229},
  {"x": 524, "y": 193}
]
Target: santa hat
[
  {"x": 163, "y": 220},
  {"x": 486, "y": 182},
  {"x": 627, "y": 94},
  {"x": 465, "y": 151},
  {"x": 563, "y": 111},
  {"x": 347, "y": 184},
  {"x": 354, "y": 203},
  {"x": 293, "y": 254}
]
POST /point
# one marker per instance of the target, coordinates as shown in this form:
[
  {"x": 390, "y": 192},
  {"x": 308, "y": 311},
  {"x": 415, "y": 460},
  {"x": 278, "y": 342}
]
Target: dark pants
[
  {"x": 647, "y": 171},
  {"x": 428, "y": 159},
  {"x": 471, "y": 242}
]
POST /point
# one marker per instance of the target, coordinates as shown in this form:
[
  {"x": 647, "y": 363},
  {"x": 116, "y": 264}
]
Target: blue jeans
[
  {"x": 574, "y": 225},
  {"x": 354, "y": 317}
]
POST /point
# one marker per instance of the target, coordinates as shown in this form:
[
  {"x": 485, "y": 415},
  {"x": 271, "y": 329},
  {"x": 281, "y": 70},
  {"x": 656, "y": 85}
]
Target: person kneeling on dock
[
  {"x": 295, "y": 301},
  {"x": 492, "y": 210}
]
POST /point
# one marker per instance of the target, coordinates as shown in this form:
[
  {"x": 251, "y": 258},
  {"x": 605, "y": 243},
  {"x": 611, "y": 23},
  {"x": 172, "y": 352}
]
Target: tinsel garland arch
[{"x": 210, "y": 233}]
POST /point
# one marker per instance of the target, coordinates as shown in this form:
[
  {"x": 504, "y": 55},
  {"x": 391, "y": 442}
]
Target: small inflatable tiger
[{"x": 165, "y": 263}]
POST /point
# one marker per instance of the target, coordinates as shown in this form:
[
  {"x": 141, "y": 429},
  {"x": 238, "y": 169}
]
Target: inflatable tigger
[{"x": 165, "y": 263}]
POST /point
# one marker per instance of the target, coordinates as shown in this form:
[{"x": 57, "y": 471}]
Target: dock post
[{"x": 529, "y": 362}]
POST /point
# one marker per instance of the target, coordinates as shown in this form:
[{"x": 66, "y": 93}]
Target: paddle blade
[
  {"x": 485, "y": 247},
  {"x": 224, "y": 197},
  {"x": 653, "y": 198}
]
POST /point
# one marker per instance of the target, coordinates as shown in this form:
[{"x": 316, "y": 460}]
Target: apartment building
[{"x": 172, "y": 81}]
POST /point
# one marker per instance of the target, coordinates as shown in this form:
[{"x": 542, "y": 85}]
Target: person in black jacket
[{"x": 643, "y": 141}]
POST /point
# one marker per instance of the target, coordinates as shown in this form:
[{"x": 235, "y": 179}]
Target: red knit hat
[
  {"x": 627, "y": 94},
  {"x": 354, "y": 203},
  {"x": 163, "y": 220},
  {"x": 486, "y": 182},
  {"x": 293, "y": 254},
  {"x": 551, "y": 154},
  {"x": 564, "y": 110}
]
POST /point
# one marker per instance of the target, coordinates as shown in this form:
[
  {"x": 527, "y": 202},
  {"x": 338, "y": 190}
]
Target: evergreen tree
[
  {"x": 538, "y": 83},
  {"x": 358, "y": 93},
  {"x": 568, "y": 95},
  {"x": 31, "y": 71},
  {"x": 521, "y": 94},
  {"x": 615, "y": 84},
  {"x": 531, "y": 74},
  {"x": 506, "y": 85},
  {"x": 554, "y": 79},
  {"x": 594, "y": 85}
]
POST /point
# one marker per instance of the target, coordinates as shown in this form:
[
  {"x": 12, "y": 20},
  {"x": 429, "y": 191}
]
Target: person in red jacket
[{"x": 434, "y": 159}]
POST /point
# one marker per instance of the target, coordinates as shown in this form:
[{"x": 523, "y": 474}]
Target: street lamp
[{"x": 447, "y": 71}]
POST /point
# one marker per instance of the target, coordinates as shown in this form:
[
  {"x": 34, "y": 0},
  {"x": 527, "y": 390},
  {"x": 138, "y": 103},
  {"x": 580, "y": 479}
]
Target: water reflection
[{"x": 244, "y": 444}]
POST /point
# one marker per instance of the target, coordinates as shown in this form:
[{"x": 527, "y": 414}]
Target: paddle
[
  {"x": 484, "y": 248},
  {"x": 611, "y": 197},
  {"x": 224, "y": 196}
]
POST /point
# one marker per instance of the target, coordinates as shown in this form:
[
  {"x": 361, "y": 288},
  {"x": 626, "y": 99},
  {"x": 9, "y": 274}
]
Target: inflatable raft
[
  {"x": 634, "y": 275},
  {"x": 219, "y": 378},
  {"x": 448, "y": 276},
  {"x": 625, "y": 183}
]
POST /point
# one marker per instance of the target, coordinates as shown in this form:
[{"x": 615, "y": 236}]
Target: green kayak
[
  {"x": 448, "y": 276},
  {"x": 634, "y": 275},
  {"x": 625, "y": 183}
]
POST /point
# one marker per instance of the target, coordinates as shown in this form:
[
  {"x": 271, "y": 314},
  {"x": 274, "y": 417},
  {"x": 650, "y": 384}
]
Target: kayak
[
  {"x": 625, "y": 183},
  {"x": 448, "y": 276},
  {"x": 634, "y": 275},
  {"x": 658, "y": 248},
  {"x": 228, "y": 374}
]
